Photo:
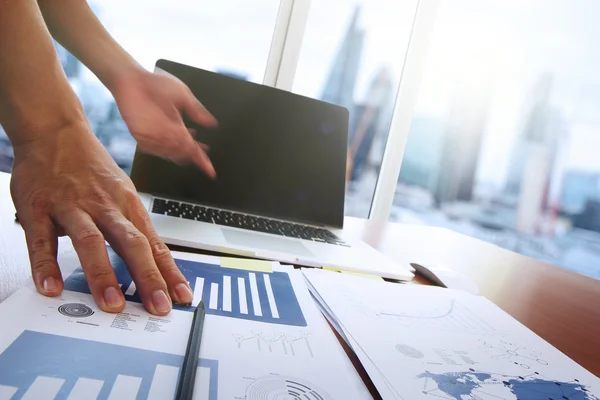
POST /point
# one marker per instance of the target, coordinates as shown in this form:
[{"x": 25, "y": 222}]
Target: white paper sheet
[
  {"x": 431, "y": 343},
  {"x": 273, "y": 343}
]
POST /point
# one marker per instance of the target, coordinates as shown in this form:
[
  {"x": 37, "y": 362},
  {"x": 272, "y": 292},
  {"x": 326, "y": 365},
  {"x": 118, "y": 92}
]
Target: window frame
[
  {"x": 281, "y": 68},
  {"x": 286, "y": 44},
  {"x": 406, "y": 101}
]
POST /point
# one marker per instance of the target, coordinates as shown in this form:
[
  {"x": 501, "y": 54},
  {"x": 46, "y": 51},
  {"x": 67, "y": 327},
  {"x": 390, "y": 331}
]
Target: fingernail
[
  {"x": 161, "y": 302},
  {"x": 50, "y": 285},
  {"x": 112, "y": 297},
  {"x": 184, "y": 293}
]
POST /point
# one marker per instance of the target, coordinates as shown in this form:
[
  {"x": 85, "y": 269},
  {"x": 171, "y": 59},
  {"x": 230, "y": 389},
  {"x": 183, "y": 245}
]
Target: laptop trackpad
[{"x": 264, "y": 242}]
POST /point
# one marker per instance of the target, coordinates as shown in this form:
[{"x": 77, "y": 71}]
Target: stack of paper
[
  {"x": 263, "y": 338},
  {"x": 431, "y": 343}
]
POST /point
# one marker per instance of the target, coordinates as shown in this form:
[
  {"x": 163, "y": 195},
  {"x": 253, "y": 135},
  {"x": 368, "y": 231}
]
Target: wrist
[
  {"x": 118, "y": 76},
  {"x": 39, "y": 126},
  {"x": 52, "y": 139}
]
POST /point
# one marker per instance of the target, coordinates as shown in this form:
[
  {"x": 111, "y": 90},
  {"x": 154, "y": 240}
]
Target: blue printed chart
[
  {"x": 264, "y": 297},
  {"x": 41, "y": 366},
  {"x": 482, "y": 385}
]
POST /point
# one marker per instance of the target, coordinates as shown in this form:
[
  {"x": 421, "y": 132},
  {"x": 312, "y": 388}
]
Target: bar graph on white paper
[
  {"x": 251, "y": 296},
  {"x": 265, "y": 297},
  {"x": 7, "y": 392},
  {"x": 43, "y": 388},
  {"x": 125, "y": 387},
  {"x": 40, "y": 366},
  {"x": 85, "y": 389},
  {"x": 226, "y": 293}
]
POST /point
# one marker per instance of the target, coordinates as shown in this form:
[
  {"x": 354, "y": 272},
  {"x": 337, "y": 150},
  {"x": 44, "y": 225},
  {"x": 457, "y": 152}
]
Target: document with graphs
[
  {"x": 431, "y": 343},
  {"x": 263, "y": 339}
]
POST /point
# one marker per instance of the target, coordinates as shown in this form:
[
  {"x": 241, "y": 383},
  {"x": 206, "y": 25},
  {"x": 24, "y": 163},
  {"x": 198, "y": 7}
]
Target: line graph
[
  {"x": 451, "y": 317},
  {"x": 297, "y": 345}
]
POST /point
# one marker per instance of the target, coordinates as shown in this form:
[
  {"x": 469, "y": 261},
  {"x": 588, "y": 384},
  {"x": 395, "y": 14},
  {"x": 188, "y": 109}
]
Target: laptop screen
[{"x": 276, "y": 154}]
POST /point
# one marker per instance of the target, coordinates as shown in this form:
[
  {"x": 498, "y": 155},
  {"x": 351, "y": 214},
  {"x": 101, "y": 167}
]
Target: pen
[{"x": 185, "y": 388}]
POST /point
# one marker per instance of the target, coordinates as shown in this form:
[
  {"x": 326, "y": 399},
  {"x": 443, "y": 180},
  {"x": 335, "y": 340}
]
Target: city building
[
  {"x": 533, "y": 190},
  {"x": 538, "y": 132},
  {"x": 370, "y": 123},
  {"x": 578, "y": 188},
  {"x": 340, "y": 84},
  {"x": 463, "y": 135},
  {"x": 589, "y": 218},
  {"x": 420, "y": 165}
]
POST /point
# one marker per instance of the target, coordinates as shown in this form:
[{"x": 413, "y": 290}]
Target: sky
[
  {"x": 509, "y": 42},
  {"x": 225, "y": 34}
]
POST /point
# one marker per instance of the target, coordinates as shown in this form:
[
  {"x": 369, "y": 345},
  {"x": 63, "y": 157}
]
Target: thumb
[{"x": 197, "y": 112}]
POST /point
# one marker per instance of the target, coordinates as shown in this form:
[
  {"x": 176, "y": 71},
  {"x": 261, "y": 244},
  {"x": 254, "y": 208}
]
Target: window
[
  {"x": 231, "y": 37},
  {"x": 352, "y": 55},
  {"x": 503, "y": 142}
]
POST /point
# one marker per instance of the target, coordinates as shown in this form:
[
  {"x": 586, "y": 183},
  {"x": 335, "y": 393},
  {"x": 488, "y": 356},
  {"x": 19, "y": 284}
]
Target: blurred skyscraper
[
  {"x": 578, "y": 188},
  {"x": 340, "y": 84},
  {"x": 370, "y": 120},
  {"x": 420, "y": 165},
  {"x": 538, "y": 133},
  {"x": 589, "y": 218},
  {"x": 462, "y": 139}
]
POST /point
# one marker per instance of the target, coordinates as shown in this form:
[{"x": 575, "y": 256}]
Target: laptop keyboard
[{"x": 237, "y": 220}]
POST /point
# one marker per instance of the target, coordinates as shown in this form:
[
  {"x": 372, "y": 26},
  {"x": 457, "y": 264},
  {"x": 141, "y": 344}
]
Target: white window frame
[
  {"x": 281, "y": 70},
  {"x": 286, "y": 44},
  {"x": 406, "y": 100}
]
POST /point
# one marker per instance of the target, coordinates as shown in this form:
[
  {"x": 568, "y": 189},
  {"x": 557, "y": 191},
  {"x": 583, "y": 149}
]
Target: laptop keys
[{"x": 237, "y": 220}]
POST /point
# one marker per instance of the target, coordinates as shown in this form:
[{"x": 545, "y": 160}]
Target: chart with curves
[
  {"x": 452, "y": 317},
  {"x": 281, "y": 387},
  {"x": 294, "y": 345}
]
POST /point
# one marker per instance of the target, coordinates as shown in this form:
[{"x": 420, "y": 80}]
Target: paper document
[
  {"x": 263, "y": 338},
  {"x": 432, "y": 343}
]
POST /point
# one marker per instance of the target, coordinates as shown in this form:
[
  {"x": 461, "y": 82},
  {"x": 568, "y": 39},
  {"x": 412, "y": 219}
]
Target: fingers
[
  {"x": 179, "y": 288},
  {"x": 197, "y": 112},
  {"x": 42, "y": 245},
  {"x": 200, "y": 158},
  {"x": 194, "y": 152},
  {"x": 91, "y": 250},
  {"x": 203, "y": 146},
  {"x": 135, "y": 250}
]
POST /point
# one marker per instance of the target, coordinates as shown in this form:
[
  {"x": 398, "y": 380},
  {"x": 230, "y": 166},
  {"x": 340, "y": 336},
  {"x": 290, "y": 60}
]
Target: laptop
[{"x": 279, "y": 193}]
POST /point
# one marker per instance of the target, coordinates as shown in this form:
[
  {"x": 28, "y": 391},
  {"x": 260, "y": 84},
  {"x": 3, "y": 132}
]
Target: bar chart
[
  {"x": 256, "y": 296},
  {"x": 41, "y": 366}
]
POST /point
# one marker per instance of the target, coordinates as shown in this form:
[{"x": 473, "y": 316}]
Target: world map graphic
[{"x": 478, "y": 385}]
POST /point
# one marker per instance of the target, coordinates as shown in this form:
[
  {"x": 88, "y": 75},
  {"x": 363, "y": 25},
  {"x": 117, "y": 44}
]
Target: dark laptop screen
[{"x": 276, "y": 153}]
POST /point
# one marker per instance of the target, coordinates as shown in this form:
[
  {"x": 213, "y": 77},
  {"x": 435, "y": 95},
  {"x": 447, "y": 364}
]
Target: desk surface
[{"x": 560, "y": 306}]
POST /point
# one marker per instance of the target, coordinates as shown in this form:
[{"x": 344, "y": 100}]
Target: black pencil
[{"x": 185, "y": 388}]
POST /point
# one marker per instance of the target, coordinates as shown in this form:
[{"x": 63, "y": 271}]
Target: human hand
[
  {"x": 152, "y": 105},
  {"x": 64, "y": 182}
]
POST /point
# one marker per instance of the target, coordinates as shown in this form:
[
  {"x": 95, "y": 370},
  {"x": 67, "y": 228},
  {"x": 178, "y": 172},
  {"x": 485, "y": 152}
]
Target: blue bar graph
[
  {"x": 43, "y": 366},
  {"x": 256, "y": 296}
]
